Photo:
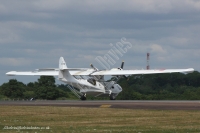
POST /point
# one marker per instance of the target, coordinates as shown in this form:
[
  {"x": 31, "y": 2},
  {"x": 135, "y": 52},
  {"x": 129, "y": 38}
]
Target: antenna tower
[{"x": 148, "y": 66}]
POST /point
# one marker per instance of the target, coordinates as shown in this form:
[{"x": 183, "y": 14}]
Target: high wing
[
  {"x": 93, "y": 71},
  {"x": 77, "y": 71}
]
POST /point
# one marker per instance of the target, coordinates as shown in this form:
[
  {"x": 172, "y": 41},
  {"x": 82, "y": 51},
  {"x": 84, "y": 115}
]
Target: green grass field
[{"x": 65, "y": 119}]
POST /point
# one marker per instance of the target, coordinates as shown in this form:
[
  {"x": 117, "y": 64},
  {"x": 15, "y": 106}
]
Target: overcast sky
[{"x": 34, "y": 34}]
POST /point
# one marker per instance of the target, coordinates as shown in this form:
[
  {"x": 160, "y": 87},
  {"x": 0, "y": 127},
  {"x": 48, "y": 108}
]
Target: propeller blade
[
  {"x": 122, "y": 65},
  {"x": 91, "y": 65},
  {"x": 94, "y": 67}
]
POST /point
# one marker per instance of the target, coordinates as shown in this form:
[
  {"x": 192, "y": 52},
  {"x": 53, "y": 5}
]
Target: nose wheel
[{"x": 83, "y": 97}]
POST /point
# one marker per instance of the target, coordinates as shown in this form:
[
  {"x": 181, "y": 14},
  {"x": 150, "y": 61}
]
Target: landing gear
[
  {"x": 83, "y": 97},
  {"x": 112, "y": 97}
]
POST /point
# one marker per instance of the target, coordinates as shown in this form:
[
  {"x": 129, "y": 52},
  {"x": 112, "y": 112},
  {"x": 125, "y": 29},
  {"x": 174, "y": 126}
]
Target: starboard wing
[{"x": 134, "y": 72}]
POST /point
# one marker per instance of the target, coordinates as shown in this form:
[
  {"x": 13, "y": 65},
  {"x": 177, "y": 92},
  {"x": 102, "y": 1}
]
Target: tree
[
  {"x": 47, "y": 81},
  {"x": 46, "y": 88},
  {"x": 193, "y": 79},
  {"x": 29, "y": 94},
  {"x": 13, "y": 89}
]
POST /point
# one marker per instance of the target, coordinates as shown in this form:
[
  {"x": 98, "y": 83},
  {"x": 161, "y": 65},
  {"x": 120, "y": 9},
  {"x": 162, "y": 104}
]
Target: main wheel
[
  {"x": 112, "y": 97},
  {"x": 83, "y": 97}
]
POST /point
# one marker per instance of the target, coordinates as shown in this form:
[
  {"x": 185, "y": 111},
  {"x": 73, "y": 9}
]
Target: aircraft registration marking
[{"x": 105, "y": 106}]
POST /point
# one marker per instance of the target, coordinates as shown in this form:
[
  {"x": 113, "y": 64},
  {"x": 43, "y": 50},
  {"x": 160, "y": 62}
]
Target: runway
[{"x": 122, "y": 104}]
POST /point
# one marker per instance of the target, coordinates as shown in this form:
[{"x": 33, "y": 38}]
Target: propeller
[
  {"x": 121, "y": 68},
  {"x": 93, "y": 67},
  {"x": 122, "y": 65}
]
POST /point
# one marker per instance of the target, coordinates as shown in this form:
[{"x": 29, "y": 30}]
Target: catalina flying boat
[{"x": 90, "y": 81}]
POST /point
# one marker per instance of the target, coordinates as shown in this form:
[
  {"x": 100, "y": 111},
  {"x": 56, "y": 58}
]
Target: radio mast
[{"x": 148, "y": 58}]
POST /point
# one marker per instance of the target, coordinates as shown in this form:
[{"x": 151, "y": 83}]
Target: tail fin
[
  {"x": 62, "y": 64},
  {"x": 64, "y": 71}
]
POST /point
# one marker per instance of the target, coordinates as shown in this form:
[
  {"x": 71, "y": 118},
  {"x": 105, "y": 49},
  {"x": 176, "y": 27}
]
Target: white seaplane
[{"x": 82, "y": 81}]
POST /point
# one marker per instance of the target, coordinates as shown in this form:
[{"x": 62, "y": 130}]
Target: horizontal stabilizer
[
  {"x": 57, "y": 69},
  {"x": 47, "y": 69}
]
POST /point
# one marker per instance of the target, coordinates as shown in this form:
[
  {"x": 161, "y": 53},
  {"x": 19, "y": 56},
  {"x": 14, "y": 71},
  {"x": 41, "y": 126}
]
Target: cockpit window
[
  {"x": 92, "y": 81},
  {"x": 81, "y": 77}
]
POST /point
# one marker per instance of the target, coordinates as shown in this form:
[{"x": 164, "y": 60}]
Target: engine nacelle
[
  {"x": 113, "y": 87},
  {"x": 116, "y": 88}
]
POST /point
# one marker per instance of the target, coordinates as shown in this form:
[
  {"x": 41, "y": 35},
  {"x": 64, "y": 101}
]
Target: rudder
[{"x": 62, "y": 64}]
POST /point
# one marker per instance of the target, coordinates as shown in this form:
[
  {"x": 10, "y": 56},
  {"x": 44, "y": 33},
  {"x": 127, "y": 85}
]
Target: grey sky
[{"x": 34, "y": 34}]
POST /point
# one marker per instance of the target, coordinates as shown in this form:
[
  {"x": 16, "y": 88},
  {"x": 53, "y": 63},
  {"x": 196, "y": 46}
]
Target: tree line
[
  {"x": 44, "y": 88},
  {"x": 174, "y": 86}
]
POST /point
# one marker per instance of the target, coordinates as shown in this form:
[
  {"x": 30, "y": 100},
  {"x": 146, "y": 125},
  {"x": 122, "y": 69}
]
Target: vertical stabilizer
[
  {"x": 62, "y": 64},
  {"x": 64, "y": 74}
]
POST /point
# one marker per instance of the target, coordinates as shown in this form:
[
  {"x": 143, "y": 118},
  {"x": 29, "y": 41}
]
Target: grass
[{"x": 74, "y": 120}]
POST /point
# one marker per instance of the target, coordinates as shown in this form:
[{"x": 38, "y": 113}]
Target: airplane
[{"x": 90, "y": 81}]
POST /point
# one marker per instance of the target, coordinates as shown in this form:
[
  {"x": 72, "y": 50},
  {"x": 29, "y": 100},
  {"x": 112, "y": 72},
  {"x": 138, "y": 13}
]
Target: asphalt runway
[{"x": 122, "y": 104}]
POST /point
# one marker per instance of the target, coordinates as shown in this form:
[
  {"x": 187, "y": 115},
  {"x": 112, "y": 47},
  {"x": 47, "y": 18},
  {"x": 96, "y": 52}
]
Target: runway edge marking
[{"x": 105, "y": 106}]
